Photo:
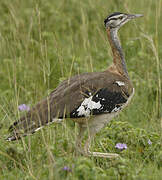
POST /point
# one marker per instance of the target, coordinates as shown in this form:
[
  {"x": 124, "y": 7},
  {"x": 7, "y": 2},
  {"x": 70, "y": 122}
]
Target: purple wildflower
[
  {"x": 121, "y": 146},
  {"x": 23, "y": 107},
  {"x": 66, "y": 168},
  {"x": 149, "y": 142}
]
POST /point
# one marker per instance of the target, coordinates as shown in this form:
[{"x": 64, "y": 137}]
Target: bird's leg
[
  {"x": 96, "y": 154},
  {"x": 86, "y": 151},
  {"x": 79, "y": 139}
]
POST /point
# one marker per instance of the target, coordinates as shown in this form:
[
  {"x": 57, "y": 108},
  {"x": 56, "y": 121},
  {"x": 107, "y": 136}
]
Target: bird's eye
[{"x": 120, "y": 17}]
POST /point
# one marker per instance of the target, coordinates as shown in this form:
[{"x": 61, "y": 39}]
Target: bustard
[{"x": 90, "y": 99}]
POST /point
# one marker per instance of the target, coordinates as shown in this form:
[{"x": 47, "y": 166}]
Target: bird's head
[{"x": 117, "y": 19}]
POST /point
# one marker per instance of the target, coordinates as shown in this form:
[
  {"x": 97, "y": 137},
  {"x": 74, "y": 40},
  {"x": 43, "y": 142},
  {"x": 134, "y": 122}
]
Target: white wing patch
[
  {"x": 120, "y": 83},
  {"x": 87, "y": 105}
]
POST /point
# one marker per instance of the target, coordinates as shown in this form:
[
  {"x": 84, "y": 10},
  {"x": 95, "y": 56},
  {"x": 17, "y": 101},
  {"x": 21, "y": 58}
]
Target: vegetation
[{"x": 43, "y": 42}]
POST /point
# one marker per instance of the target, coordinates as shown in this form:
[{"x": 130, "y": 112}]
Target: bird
[{"x": 90, "y": 99}]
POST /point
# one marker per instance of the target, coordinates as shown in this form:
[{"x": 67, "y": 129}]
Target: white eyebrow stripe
[{"x": 116, "y": 16}]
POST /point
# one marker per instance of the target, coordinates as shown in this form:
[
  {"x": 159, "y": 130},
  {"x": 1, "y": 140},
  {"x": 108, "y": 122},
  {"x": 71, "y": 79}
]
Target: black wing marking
[
  {"x": 110, "y": 101},
  {"x": 103, "y": 101}
]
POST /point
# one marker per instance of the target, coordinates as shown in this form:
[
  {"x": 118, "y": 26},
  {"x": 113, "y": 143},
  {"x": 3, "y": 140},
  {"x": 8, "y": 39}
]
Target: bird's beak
[{"x": 132, "y": 16}]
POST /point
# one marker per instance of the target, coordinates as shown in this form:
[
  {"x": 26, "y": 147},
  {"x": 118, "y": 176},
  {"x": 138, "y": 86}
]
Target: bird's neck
[{"x": 118, "y": 54}]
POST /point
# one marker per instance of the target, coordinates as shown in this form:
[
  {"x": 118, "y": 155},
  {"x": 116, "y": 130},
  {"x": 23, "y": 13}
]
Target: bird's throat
[{"x": 118, "y": 54}]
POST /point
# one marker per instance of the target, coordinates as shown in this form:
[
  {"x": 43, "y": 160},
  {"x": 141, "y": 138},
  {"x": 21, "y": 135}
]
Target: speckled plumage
[{"x": 74, "y": 91}]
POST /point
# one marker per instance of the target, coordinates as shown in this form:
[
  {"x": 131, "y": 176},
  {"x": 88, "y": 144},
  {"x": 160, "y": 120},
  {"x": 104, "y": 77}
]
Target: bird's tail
[
  {"x": 33, "y": 121},
  {"x": 23, "y": 127}
]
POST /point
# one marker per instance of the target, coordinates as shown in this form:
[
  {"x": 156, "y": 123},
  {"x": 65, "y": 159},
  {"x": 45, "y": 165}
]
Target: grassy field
[{"x": 43, "y": 42}]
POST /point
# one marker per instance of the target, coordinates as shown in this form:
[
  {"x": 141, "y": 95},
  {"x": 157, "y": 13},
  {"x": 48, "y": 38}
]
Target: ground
[{"x": 44, "y": 42}]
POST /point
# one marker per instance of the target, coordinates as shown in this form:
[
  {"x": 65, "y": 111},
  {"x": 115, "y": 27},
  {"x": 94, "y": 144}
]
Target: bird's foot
[{"x": 103, "y": 155}]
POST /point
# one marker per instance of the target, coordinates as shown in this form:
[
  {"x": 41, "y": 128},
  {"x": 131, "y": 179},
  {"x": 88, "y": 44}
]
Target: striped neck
[{"x": 118, "y": 55}]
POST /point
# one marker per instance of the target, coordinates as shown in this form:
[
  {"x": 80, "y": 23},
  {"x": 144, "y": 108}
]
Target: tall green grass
[{"x": 44, "y": 42}]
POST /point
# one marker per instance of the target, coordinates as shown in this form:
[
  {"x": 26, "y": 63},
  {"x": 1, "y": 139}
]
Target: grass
[{"x": 44, "y": 42}]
